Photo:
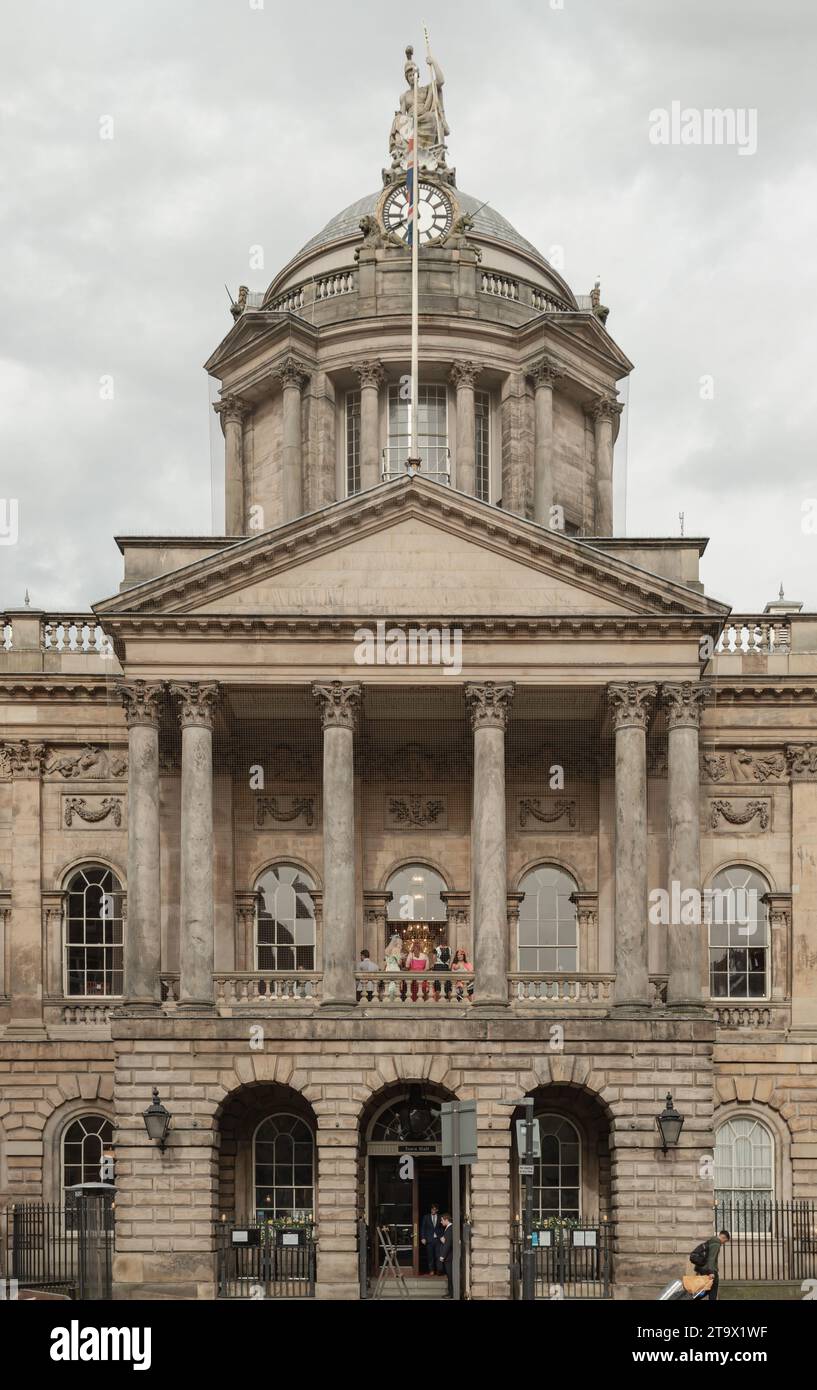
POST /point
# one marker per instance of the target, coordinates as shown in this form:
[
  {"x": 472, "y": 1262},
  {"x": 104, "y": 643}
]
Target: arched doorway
[
  {"x": 417, "y": 910},
  {"x": 402, "y": 1170},
  {"x": 267, "y": 1170}
]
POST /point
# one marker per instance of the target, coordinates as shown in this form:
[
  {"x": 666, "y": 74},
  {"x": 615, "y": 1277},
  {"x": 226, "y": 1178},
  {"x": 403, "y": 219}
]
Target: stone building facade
[{"x": 444, "y": 701}]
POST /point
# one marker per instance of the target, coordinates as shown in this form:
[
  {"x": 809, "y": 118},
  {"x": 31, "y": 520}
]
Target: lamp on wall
[
  {"x": 157, "y": 1120},
  {"x": 670, "y": 1123}
]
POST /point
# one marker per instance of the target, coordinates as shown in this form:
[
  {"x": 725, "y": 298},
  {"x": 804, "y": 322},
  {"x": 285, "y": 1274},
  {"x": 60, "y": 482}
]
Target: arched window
[
  {"x": 84, "y": 1141},
  {"x": 416, "y": 892},
  {"x": 738, "y": 922},
  {"x": 284, "y": 1168},
  {"x": 285, "y": 920},
  {"x": 548, "y": 932},
  {"x": 744, "y": 1163},
  {"x": 557, "y": 1174},
  {"x": 414, "y": 1119},
  {"x": 93, "y": 933}
]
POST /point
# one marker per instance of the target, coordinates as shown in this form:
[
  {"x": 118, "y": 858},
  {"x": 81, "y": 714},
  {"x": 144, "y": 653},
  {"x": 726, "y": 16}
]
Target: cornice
[
  {"x": 275, "y": 551},
  {"x": 774, "y": 692},
  {"x": 55, "y": 689}
]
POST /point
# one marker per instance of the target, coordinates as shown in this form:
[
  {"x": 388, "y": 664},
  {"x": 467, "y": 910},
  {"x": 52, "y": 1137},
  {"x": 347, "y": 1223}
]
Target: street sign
[
  {"x": 527, "y": 1169},
  {"x": 467, "y": 1131},
  {"x": 521, "y": 1141}
]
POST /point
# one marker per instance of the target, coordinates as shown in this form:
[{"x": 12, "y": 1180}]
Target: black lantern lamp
[
  {"x": 670, "y": 1124},
  {"x": 157, "y": 1120}
]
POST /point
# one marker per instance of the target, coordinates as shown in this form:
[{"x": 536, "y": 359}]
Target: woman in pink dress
[
  {"x": 462, "y": 964},
  {"x": 417, "y": 961}
]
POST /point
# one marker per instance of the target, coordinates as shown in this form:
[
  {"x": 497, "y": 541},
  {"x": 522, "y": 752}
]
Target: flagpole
[{"x": 414, "y": 453}]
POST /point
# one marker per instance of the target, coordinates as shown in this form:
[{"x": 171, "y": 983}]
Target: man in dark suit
[
  {"x": 430, "y": 1232},
  {"x": 446, "y": 1251}
]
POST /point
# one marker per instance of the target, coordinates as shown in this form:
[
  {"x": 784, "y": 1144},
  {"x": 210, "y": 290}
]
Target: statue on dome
[{"x": 432, "y": 126}]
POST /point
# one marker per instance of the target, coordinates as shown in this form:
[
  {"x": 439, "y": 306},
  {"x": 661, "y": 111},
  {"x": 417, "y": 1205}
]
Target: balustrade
[
  {"x": 266, "y": 988},
  {"x": 572, "y": 988},
  {"x": 414, "y": 987}
]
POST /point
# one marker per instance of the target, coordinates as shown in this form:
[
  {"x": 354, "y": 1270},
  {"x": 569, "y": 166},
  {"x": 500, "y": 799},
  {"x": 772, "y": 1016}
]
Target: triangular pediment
[{"x": 409, "y": 548}]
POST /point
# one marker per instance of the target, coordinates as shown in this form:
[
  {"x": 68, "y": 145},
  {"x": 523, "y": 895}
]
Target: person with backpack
[{"x": 704, "y": 1260}]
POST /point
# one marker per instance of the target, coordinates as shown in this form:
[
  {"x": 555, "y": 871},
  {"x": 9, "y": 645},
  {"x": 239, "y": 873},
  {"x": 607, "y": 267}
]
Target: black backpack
[{"x": 699, "y": 1254}]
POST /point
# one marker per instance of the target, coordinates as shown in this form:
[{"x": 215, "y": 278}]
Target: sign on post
[
  {"x": 521, "y": 1140},
  {"x": 467, "y": 1131}
]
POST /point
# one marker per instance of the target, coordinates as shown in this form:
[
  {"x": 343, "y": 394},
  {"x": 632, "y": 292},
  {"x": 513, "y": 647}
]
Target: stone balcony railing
[
  {"x": 395, "y": 987},
  {"x": 574, "y": 989},
  {"x": 749, "y": 634},
  {"x": 27, "y": 631},
  {"x": 266, "y": 989}
]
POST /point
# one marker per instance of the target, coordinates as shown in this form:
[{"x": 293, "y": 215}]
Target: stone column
[
  {"x": 544, "y": 374},
  {"x": 631, "y": 706},
  {"x": 802, "y": 760},
  {"x": 143, "y": 937},
  {"x": 23, "y": 762},
  {"x": 489, "y": 706},
  {"x": 197, "y": 914},
  {"x": 376, "y": 914},
  {"x": 683, "y": 701},
  {"x": 604, "y": 411},
  {"x": 232, "y": 410},
  {"x": 372, "y": 377},
  {"x": 464, "y": 375},
  {"x": 293, "y": 376},
  {"x": 517, "y": 445},
  {"x": 340, "y": 707}
]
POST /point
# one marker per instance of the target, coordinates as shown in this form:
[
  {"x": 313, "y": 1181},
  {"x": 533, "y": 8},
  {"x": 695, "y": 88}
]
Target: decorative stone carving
[
  {"x": 605, "y": 408},
  {"x": 739, "y": 765},
  {"x": 740, "y": 812},
  {"x": 292, "y": 372},
  {"x": 91, "y": 810},
  {"x": 489, "y": 705},
  {"x": 545, "y": 372},
  {"x": 631, "y": 704},
  {"x": 464, "y": 374},
  {"x": 91, "y": 763},
  {"x": 533, "y": 807},
  {"x": 371, "y": 373},
  {"x": 197, "y": 702},
  {"x": 231, "y": 410},
  {"x": 683, "y": 702},
  {"x": 432, "y": 127},
  {"x": 413, "y": 812},
  {"x": 339, "y": 704},
  {"x": 299, "y": 813},
  {"x": 802, "y": 760},
  {"x": 22, "y": 759},
  {"x": 141, "y": 700}
]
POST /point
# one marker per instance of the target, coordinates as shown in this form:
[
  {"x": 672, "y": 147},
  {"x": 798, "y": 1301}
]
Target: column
[
  {"x": 464, "y": 375},
  {"x": 340, "y": 707},
  {"x": 293, "y": 376},
  {"x": 631, "y": 705},
  {"x": 683, "y": 702},
  {"x": 545, "y": 374},
  {"x": 802, "y": 760},
  {"x": 196, "y": 916},
  {"x": 232, "y": 410},
  {"x": 372, "y": 377},
  {"x": 23, "y": 762},
  {"x": 517, "y": 445},
  {"x": 143, "y": 943},
  {"x": 604, "y": 411},
  {"x": 489, "y": 706}
]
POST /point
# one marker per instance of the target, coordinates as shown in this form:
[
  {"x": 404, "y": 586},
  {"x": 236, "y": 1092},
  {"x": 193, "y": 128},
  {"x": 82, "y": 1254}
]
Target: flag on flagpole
[{"x": 410, "y": 188}]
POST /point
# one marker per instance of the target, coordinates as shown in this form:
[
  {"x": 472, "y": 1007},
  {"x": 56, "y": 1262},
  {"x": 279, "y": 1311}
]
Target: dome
[{"x": 487, "y": 223}]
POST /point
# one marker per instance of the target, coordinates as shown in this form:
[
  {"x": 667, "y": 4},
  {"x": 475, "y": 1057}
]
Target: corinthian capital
[
  {"x": 291, "y": 372},
  {"x": 22, "y": 759},
  {"x": 631, "y": 704},
  {"x": 231, "y": 409},
  {"x": 545, "y": 372},
  {"x": 489, "y": 705},
  {"x": 141, "y": 700},
  {"x": 197, "y": 702},
  {"x": 370, "y": 372},
  {"x": 605, "y": 408},
  {"x": 683, "y": 702},
  {"x": 339, "y": 704},
  {"x": 464, "y": 374}
]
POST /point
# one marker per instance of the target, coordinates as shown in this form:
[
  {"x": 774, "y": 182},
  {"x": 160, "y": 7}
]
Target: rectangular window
[
  {"x": 482, "y": 445},
  {"x": 352, "y": 443},
  {"x": 432, "y": 429}
]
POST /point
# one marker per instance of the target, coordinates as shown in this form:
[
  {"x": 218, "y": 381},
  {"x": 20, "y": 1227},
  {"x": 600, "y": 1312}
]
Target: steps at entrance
[{"x": 425, "y": 1288}]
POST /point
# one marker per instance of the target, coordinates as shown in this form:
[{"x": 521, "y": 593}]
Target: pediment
[{"x": 409, "y": 549}]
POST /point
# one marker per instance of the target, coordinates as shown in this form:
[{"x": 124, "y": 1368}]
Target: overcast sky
[{"x": 238, "y": 124}]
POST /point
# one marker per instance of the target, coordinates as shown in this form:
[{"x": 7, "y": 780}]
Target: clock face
[{"x": 435, "y": 213}]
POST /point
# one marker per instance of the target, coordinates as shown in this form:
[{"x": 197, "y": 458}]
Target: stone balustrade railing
[
  {"x": 299, "y": 297},
  {"x": 79, "y": 633},
  {"x": 502, "y": 286},
  {"x": 88, "y": 1015},
  {"x": 750, "y": 634},
  {"x": 744, "y": 1016},
  {"x": 330, "y": 286},
  {"x": 262, "y": 988},
  {"x": 414, "y": 986},
  {"x": 565, "y": 987}
]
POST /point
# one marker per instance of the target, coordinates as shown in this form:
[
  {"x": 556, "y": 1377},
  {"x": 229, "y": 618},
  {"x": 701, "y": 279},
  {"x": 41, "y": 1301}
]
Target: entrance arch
[
  {"x": 401, "y": 1169},
  {"x": 571, "y": 1181},
  {"x": 267, "y": 1168}
]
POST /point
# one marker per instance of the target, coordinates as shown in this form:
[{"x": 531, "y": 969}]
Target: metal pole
[
  {"x": 455, "y": 1202},
  {"x": 528, "y": 1254},
  {"x": 414, "y": 451}
]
